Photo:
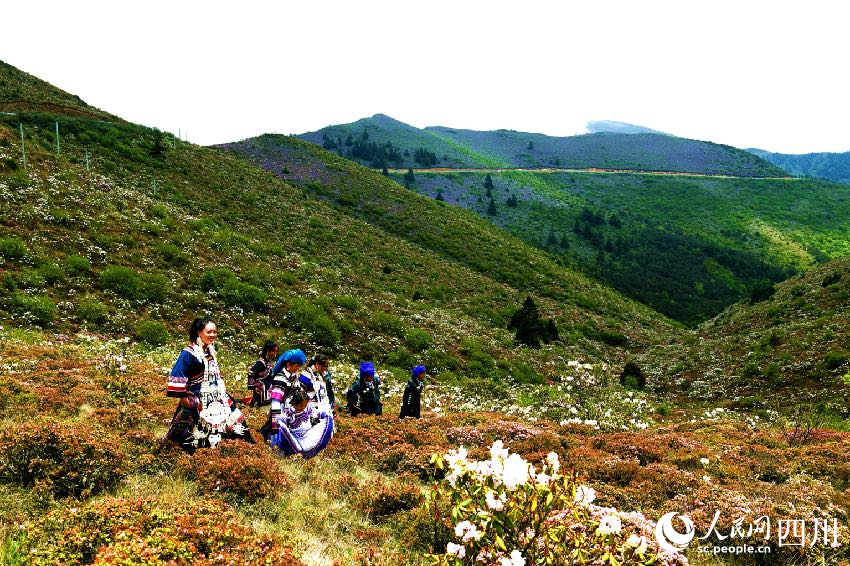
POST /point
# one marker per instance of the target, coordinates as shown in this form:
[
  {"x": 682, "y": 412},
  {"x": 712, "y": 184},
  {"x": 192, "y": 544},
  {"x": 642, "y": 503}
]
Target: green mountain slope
[
  {"x": 381, "y": 141},
  {"x": 790, "y": 347},
  {"x": 20, "y": 91},
  {"x": 686, "y": 245},
  {"x": 831, "y": 166},
  {"x": 158, "y": 231},
  {"x": 455, "y": 234}
]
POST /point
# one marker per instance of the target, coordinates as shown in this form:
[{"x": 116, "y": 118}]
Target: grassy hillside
[
  {"x": 789, "y": 347},
  {"x": 455, "y": 234},
  {"x": 831, "y": 166},
  {"x": 688, "y": 246},
  {"x": 391, "y": 143},
  {"x": 103, "y": 260},
  {"x": 20, "y": 91}
]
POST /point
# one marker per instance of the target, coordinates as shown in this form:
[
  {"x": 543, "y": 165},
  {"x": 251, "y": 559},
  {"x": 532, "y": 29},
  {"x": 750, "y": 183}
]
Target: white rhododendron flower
[
  {"x": 515, "y": 472},
  {"x": 610, "y": 524},
  {"x": 494, "y": 503},
  {"x": 515, "y": 559},
  {"x": 467, "y": 531},
  {"x": 585, "y": 495},
  {"x": 552, "y": 460},
  {"x": 638, "y": 542},
  {"x": 704, "y": 461},
  {"x": 498, "y": 451},
  {"x": 457, "y": 549},
  {"x": 542, "y": 479}
]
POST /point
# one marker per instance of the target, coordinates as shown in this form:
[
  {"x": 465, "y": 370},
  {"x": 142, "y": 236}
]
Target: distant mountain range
[
  {"x": 598, "y": 126},
  {"x": 831, "y": 166},
  {"x": 381, "y": 141}
]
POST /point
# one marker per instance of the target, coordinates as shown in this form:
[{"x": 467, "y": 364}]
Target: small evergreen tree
[
  {"x": 615, "y": 221},
  {"x": 408, "y": 177},
  {"x": 488, "y": 183},
  {"x": 530, "y": 329},
  {"x": 530, "y": 146},
  {"x": 491, "y": 208},
  {"x": 440, "y": 195},
  {"x": 551, "y": 239},
  {"x": 385, "y": 171}
]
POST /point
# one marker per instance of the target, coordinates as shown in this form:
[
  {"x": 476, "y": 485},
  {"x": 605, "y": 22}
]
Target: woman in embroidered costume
[
  {"x": 285, "y": 378},
  {"x": 259, "y": 375},
  {"x": 321, "y": 396},
  {"x": 411, "y": 405},
  {"x": 301, "y": 428},
  {"x": 205, "y": 413},
  {"x": 364, "y": 395}
]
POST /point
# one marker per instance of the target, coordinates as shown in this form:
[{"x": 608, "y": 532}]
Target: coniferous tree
[
  {"x": 530, "y": 146},
  {"x": 158, "y": 150},
  {"x": 530, "y": 328},
  {"x": 385, "y": 171},
  {"x": 491, "y": 208},
  {"x": 551, "y": 239},
  {"x": 440, "y": 195},
  {"x": 408, "y": 177},
  {"x": 488, "y": 182}
]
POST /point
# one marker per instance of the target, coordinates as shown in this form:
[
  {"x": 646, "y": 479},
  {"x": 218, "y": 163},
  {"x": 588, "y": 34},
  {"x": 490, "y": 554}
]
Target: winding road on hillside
[{"x": 553, "y": 170}]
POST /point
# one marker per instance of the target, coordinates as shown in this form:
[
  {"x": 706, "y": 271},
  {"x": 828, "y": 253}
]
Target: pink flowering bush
[{"x": 507, "y": 512}]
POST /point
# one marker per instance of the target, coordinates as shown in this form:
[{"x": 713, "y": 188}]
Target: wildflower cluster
[{"x": 505, "y": 511}]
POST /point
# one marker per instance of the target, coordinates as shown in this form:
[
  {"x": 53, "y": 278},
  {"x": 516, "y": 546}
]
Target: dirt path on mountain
[{"x": 553, "y": 170}]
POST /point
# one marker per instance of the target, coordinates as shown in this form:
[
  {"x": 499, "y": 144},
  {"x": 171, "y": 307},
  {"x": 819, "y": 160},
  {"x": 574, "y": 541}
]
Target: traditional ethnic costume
[
  {"x": 211, "y": 413},
  {"x": 307, "y": 432},
  {"x": 281, "y": 388},
  {"x": 259, "y": 381},
  {"x": 314, "y": 384},
  {"x": 365, "y": 396},
  {"x": 411, "y": 405}
]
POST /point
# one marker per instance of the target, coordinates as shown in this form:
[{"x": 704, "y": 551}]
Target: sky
[{"x": 748, "y": 73}]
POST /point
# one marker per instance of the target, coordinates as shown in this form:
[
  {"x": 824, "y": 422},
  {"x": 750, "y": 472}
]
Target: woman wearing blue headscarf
[
  {"x": 411, "y": 405},
  {"x": 286, "y": 372},
  {"x": 364, "y": 396}
]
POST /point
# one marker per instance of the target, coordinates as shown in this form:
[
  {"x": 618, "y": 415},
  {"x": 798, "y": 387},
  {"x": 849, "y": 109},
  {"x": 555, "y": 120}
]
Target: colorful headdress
[{"x": 294, "y": 357}]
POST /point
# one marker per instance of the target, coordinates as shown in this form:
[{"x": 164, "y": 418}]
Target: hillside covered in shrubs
[{"x": 113, "y": 242}]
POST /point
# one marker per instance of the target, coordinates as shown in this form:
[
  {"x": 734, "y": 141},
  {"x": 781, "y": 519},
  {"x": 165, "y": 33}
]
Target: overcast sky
[{"x": 747, "y": 73}]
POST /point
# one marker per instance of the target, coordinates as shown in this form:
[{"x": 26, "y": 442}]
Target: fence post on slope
[
  {"x": 23, "y": 149},
  {"x": 57, "y": 137},
  {"x": 88, "y": 164}
]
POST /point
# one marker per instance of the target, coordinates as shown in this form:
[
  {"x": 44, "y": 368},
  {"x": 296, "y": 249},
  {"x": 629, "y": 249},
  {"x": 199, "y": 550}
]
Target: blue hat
[
  {"x": 367, "y": 368},
  {"x": 295, "y": 357},
  {"x": 417, "y": 370}
]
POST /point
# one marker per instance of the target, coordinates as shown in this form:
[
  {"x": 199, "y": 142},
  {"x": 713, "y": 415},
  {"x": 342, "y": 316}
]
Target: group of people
[{"x": 298, "y": 392}]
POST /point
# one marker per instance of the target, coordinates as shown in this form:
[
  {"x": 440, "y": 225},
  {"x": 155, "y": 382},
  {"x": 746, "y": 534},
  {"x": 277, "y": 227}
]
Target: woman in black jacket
[{"x": 411, "y": 405}]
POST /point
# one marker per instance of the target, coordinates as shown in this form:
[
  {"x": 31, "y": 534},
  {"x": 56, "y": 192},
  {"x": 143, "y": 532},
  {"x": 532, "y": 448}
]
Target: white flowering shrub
[{"x": 507, "y": 512}]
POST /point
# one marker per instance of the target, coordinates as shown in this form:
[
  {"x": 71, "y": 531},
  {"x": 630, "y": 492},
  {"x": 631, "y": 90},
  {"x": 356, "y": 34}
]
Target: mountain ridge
[{"x": 391, "y": 143}]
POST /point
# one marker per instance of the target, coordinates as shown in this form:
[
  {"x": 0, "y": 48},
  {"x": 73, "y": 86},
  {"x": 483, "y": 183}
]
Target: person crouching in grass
[{"x": 302, "y": 429}]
